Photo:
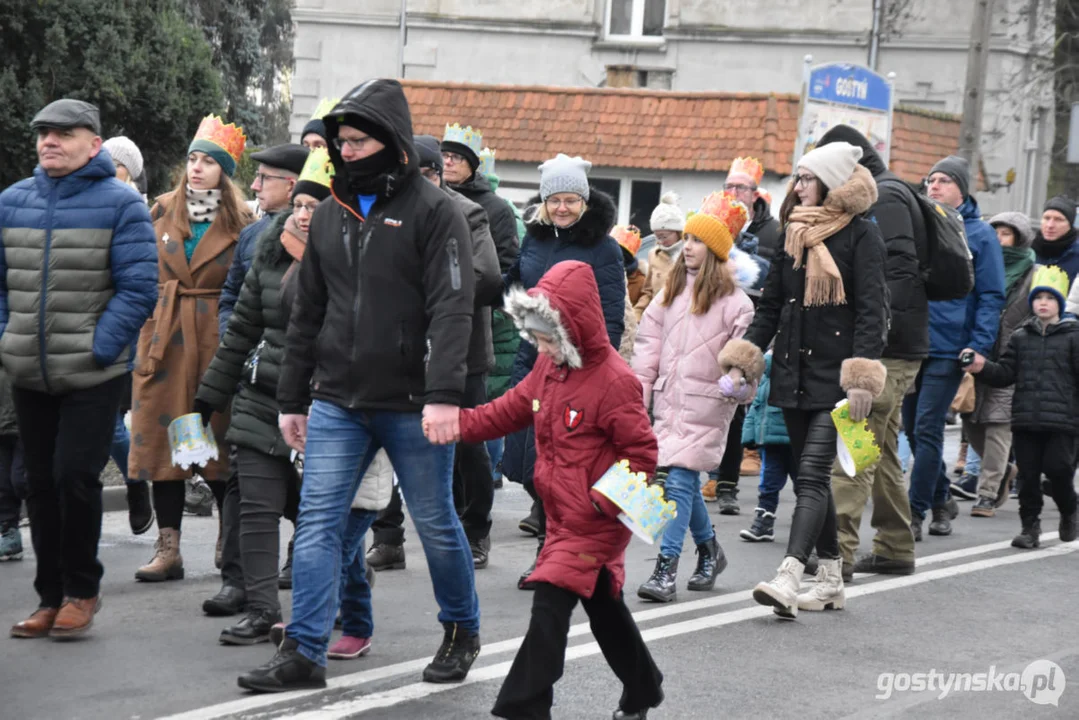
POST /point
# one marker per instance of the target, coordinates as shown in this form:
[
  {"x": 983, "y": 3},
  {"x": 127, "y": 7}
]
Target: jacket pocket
[{"x": 144, "y": 365}]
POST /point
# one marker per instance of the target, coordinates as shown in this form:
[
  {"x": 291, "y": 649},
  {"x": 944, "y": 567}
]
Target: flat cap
[
  {"x": 289, "y": 156},
  {"x": 68, "y": 113}
]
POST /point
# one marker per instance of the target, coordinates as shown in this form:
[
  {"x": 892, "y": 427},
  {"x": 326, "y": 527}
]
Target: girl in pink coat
[{"x": 675, "y": 357}]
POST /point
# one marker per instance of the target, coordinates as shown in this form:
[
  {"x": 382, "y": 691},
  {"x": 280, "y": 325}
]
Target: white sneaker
[
  {"x": 781, "y": 593},
  {"x": 827, "y": 592}
]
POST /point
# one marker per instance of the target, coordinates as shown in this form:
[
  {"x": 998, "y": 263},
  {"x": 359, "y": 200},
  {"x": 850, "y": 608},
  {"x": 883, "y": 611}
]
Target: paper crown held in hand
[
  {"x": 192, "y": 443},
  {"x": 856, "y": 447},
  {"x": 644, "y": 511}
]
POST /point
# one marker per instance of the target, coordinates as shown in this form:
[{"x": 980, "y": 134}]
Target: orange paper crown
[
  {"x": 727, "y": 209},
  {"x": 750, "y": 166},
  {"x": 766, "y": 196},
  {"x": 229, "y": 138},
  {"x": 628, "y": 236}
]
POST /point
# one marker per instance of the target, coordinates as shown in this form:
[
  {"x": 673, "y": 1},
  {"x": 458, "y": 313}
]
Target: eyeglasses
[
  {"x": 429, "y": 173},
  {"x": 309, "y": 207},
  {"x": 452, "y": 158},
  {"x": 353, "y": 143},
  {"x": 804, "y": 180},
  {"x": 574, "y": 202},
  {"x": 263, "y": 177},
  {"x": 739, "y": 187}
]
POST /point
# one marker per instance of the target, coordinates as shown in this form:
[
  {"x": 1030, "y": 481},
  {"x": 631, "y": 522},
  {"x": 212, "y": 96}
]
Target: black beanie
[
  {"x": 369, "y": 127},
  {"x": 1063, "y": 205},
  {"x": 430, "y": 152},
  {"x": 314, "y": 126}
]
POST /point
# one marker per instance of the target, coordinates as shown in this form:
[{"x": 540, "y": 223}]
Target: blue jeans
[
  {"x": 121, "y": 446},
  {"x": 974, "y": 462},
  {"x": 494, "y": 449},
  {"x": 340, "y": 446},
  {"x": 684, "y": 487},
  {"x": 904, "y": 450},
  {"x": 777, "y": 464},
  {"x": 924, "y": 412},
  {"x": 357, "y": 618}
]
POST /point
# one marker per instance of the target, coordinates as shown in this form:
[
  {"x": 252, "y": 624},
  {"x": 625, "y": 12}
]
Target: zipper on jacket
[
  {"x": 255, "y": 361},
  {"x": 455, "y": 264},
  {"x": 366, "y": 230},
  {"x": 43, "y": 299}
]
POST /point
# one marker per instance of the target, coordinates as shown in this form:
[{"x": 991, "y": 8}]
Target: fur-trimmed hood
[
  {"x": 855, "y": 196},
  {"x": 567, "y": 298},
  {"x": 593, "y": 226}
]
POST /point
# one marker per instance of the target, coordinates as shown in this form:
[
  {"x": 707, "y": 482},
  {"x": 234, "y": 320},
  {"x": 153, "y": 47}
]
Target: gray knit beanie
[
  {"x": 126, "y": 153},
  {"x": 957, "y": 169},
  {"x": 564, "y": 174}
]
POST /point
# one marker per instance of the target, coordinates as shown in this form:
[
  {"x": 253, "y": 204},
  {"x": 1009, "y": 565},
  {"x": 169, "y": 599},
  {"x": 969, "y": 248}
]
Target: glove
[
  {"x": 860, "y": 402},
  {"x": 204, "y": 409},
  {"x": 735, "y": 390}
]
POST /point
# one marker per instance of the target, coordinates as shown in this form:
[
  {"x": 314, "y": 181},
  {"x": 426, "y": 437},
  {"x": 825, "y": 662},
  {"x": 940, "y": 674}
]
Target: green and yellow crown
[
  {"x": 856, "y": 446},
  {"x": 323, "y": 108},
  {"x": 471, "y": 139},
  {"x": 1050, "y": 279},
  {"x": 644, "y": 510},
  {"x": 487, "y": 162},
  {"x": 318, "y": 168}
]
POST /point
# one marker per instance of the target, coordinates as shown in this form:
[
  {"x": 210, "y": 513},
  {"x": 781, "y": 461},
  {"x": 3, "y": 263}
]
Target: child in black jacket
[{"x": 1042, "y": 361}]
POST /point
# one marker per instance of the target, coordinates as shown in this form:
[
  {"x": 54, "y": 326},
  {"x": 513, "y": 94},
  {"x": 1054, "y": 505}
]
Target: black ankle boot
[
  {"x": 661, "y": 586},
  {"x": 1028, "y": 539},
  {"x": 254, "y": 628},
  {"x": 288, "y": 670},
  {"x": 710, "y": 562},
  {"x": 455, "y": 656},
  {"x": 1068, "y": 526}
]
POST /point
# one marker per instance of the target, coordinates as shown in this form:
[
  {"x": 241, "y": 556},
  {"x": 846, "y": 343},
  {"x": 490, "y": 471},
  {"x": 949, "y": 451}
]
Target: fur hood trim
[
  {"x": 519, "y": 304},
  {"x": 856, "y": 195},
  {"x": 863, "y": 374},
  {"x": 594, "y": 225},
  {"x": 745, "y": 269}
]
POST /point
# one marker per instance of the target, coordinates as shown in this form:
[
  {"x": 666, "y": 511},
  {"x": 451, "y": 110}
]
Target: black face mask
[{"x": 366, "y": 176}]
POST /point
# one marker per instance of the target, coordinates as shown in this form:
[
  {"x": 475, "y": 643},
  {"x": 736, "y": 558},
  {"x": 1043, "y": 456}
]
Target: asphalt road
[{"x": 976, "y": 609}]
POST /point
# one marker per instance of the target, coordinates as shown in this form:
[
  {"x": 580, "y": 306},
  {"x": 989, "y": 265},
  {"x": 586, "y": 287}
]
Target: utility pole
[{"x": 970, "y": 129}]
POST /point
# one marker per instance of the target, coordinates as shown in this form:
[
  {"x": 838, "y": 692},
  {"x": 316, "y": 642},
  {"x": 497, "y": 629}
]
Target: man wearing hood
[
  {"x": 899, "y": 218},
  {"x": 377, "y": 342},
  {"x": 743, "y": 181}
]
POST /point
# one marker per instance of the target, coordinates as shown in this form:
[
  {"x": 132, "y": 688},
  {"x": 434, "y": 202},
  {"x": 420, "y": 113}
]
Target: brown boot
[
  {"x": 37, "y": 625},
  {"x": 75, "y": 618},
  {"x": 709, "y": 491},
  {"x": 167, "y": 564},
  {"x": 751, "y": 463}
]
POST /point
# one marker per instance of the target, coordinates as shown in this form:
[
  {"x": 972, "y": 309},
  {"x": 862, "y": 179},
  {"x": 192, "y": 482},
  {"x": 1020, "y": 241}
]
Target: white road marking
[{"x": 414, "y": 691}]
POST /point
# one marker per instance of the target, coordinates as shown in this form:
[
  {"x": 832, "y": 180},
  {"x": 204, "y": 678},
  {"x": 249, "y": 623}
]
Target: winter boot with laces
[
  {"x": 781, "y": 592},
  {"x": 1028, "y": 539},
  {"x": 942, "y": 521},
  {"x": 10, "y": 542},
  {"x": 459, "y": 649},
  {"x": 827, "y": 593},
  {"x": 167, "y": 563},
  {"x": 727, "y": 497},
  {"x": 661, "y": 586},
  {"x": 710, "y": 563},
  {"x": 763, "y": 528}
]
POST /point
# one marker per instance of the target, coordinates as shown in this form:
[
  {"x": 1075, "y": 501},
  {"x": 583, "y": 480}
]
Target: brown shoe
[
  {"x": 37, "y": 625},
  {"x": 167, "y": 563},
  {"x": 751, "y": 463},
  {"x": 75, "y": 618},
  {"x": 709, "y": 491}
]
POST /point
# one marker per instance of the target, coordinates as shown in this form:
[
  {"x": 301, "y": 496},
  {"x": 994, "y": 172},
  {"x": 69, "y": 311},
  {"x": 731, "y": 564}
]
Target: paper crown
[
  {"x": 765, "y": 195},
  {"x": 628, "y": 236},
  {"x": 856, "y": 447},
  {"x": 750, "y": 166},
  {"x": 1050, "y": 278},
  {"x": 644, "y": 511},
  {"x": 190, "y": 442},
  {"x": 318, "y": 168},
  {"x": 726, "y": 208},
  {"x": 323, "y": 108},
  {"x": 229, "y": 138},
  {"x": 471, "y": 139},
  {"x": 487, "y": 161}
]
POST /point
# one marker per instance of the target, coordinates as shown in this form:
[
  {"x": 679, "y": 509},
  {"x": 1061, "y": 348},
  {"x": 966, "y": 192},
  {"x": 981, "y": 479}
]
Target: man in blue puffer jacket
[
  {"x": 78, "y": 279},
  {"x": 953, "y": 325}
]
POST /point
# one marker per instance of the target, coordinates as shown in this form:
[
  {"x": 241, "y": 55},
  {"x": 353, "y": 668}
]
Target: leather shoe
[
  {"x": 254, "y": 628},
  {"x": 229, "y": 600},
  {"x": 37, "y": 625},
  {"x": 75, "y": 618}
]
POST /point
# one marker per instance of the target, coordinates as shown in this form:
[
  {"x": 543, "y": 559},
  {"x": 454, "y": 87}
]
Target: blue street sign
[{"x": 851, "y": 85}]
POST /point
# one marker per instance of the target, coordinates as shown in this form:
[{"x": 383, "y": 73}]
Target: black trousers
[
  {"x": 232, "y": 569},
  {"x": 813, "y": 438},
  {"x": 12, "y": 481},
  {"x": 730, "y": 467},
  {"x": 528, "y": 691},
  {"x": 269, "y": 487},
  {"x": 473, "y": 484},
  {"x": 1049, "y": 454},
  {"x": 66, "y": 441}
]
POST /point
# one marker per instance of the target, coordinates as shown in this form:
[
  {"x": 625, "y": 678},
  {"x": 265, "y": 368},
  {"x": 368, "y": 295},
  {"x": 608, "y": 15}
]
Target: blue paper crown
[
  {"x": 472, "y": 139},
  {"x": 644, "y": 510},
  {"x": 487, "y": 162}
]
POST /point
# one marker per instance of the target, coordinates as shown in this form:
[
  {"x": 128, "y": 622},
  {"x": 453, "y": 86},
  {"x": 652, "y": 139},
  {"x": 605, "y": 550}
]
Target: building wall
[{"x": 712, "y": 45}]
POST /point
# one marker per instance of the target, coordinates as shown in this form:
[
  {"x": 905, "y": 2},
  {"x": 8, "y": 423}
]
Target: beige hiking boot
[
  {"x": 781, "y": 593},
  {"x": 167, "y": 563},
  {"x": 827, "y": 592}
]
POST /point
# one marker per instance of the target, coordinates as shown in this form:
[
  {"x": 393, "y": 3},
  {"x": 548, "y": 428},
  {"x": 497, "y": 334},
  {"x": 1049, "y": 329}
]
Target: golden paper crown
[
  {"x": 318, "y": 168},
  {"x": 471, "y": 139},
  {"x": 323, "y": 108},
  {"x": 750, "y": 166},
  {"x": 628, "y": 236},
  {"x": 644, "y": 510},
  {"x": 229, "y": 138}
]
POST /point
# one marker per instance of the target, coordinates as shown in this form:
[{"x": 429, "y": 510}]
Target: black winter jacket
[
  {"x": 499, "y": 214},
  {"x": 1044, "y": 366},
  {"x": 384, "y": 304},
  {"x": 766, "y": 229},
  {"x": 481, "y": 353},
  {"x": 811, "y": 343}
]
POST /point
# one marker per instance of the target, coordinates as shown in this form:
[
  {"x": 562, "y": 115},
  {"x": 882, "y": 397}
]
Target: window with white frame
[{"x": 636, "y": 18}]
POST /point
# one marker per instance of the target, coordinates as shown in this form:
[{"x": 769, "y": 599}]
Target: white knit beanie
[
  {"x": 563, "y": 173},
  {"x": 126, "y": 153},
  {"x": 667, "y": 215},
  {"x": 833, "y": 163}
]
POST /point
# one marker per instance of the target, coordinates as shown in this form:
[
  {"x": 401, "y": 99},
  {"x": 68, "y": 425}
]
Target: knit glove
[
  {"x": 859, "y": 403},
  {"x": 734, "y": 390}
]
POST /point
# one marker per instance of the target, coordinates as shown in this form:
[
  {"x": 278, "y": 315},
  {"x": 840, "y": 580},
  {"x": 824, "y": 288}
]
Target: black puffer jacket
[
  {"x": 384, "y": 304},
  {"x": 1043, "y": 364},
  {"x": 811, "y": 343},
  {"x": 247, "y": 365},
  {"x": 499, "y": 214},
  {"x": 766, "y": 229},
  {"x": 899, "y": 218},
  {"x": 481, "y": 353}
]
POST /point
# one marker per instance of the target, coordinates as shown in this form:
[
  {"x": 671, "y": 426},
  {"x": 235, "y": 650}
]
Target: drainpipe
[
  {"x": 874, "y": 35},
  {"x": 401, "y": 42}
]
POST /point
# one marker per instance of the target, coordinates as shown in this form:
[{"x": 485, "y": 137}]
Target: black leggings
[
  {"x": 169, "y": 500},
  {"x": 813, "y": 438}
]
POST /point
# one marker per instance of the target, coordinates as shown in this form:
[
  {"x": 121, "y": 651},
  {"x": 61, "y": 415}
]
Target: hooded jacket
[
  {"x": 971, "y": 321},
  {"x": 503, "y": 221},
  {"x": 764, "y": 423},
  {"x": 899, "y": 218},
  {"x": 766, "y": 228},
  {"x": 384, "y": 304},
  {"x": 481, "y": 354},
  {"x": 587, "y": 415}
]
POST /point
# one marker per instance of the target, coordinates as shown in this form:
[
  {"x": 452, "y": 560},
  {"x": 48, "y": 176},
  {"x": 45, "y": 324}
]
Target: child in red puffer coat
[{"x": 587, "y": 409}]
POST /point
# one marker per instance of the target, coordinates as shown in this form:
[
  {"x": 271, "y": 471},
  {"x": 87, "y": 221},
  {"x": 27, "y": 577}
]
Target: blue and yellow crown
[
  {"x": 471, "y": 139},
  {"x": 1050, "y": 279},
  {"x": 191, "y": 442},
  {"x": 487, "y": 162},
  {"x": 644, "y": 511}
]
